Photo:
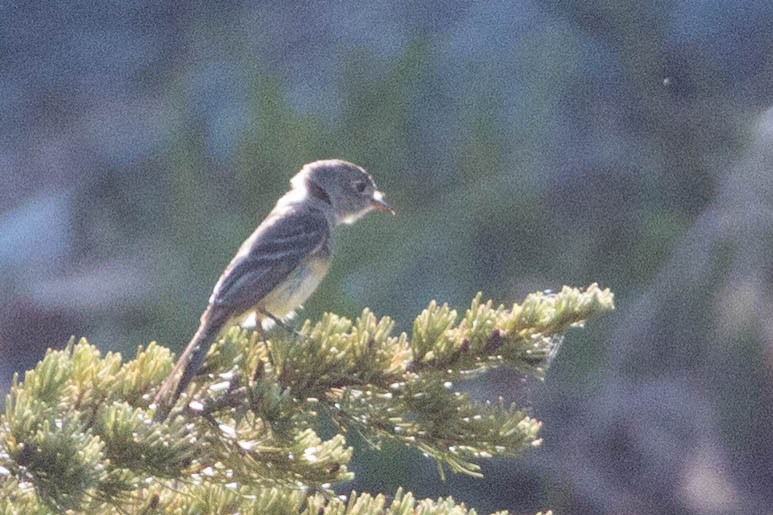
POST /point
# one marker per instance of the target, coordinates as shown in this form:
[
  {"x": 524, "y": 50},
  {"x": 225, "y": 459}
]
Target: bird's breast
[{"x": 299, "y": 285}]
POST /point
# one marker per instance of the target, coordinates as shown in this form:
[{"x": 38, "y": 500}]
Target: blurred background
[{"x": 525, "y": 144}]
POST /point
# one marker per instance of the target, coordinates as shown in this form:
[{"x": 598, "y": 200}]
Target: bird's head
[{"x": 347, "y": 188}]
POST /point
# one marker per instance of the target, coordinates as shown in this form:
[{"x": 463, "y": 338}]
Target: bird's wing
[{"x": 268, "y": 256}]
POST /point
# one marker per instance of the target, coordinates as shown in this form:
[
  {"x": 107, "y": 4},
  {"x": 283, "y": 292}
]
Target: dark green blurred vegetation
[{"x": 525, "y": 145}]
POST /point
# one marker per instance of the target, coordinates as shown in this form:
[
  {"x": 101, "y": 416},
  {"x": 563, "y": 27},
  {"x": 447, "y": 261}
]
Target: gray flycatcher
[{"x": 281, "y": 264}]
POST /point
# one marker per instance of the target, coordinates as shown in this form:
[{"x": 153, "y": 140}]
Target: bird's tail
[{"x": 212, "y": 321}]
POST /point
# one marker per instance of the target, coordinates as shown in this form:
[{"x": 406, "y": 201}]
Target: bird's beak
[{"x": 380, "y": 204}]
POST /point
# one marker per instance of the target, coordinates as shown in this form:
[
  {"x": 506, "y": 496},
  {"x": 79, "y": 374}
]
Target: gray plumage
[{"x": 280, "y": 265}]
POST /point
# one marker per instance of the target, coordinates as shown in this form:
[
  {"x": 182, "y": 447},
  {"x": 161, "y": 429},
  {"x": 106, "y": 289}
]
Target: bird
[{"x": 281, "y": 263}]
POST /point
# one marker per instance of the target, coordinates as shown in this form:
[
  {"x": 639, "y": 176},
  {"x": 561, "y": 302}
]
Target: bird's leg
[
  {"x": 262, "y": 332},
  {"x": 280, "y": 323}
]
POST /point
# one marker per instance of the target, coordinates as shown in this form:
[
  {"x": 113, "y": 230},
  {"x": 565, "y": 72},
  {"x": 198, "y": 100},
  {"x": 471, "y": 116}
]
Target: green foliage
[{"x": 78, "y": 434}]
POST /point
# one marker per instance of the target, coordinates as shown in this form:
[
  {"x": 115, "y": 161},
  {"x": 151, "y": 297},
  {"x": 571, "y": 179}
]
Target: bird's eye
[{"x": 360, "y": 186}]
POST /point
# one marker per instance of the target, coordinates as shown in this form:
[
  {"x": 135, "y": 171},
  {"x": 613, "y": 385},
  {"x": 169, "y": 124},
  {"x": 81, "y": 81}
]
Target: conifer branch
[{"x": 77, "y": 433}]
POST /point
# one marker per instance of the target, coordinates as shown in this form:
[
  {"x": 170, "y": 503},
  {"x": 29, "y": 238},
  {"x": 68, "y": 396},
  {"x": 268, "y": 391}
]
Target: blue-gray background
[{"x": 525, "y": 145}]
